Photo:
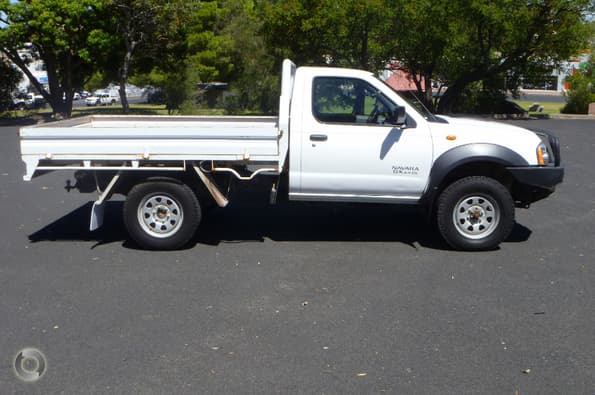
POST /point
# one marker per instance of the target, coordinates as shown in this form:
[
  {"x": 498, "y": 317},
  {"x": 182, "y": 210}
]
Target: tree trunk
[
  {"x": 448, "y": 99},
  {"x": 124, "y": 75},
  {"x": 122, "y": 89},
  {"x": 428, "y": 91},
  {"x": 364, "y": 55},
  {"x": 63, "y": 108},
  {"x": 417, "y": 80},
  {"x": 454, "y": 90},
  {"x": 123, "y": 97}
]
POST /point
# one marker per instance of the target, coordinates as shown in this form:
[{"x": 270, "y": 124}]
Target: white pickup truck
[
  {"x": 102, "y": 99},
  {"x": 341, "y": 135}
]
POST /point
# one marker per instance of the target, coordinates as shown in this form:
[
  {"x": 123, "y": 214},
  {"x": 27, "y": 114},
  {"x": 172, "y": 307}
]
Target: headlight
[
  {"x": 543, "y": 156},
  {"x": 551, "y": 153}
]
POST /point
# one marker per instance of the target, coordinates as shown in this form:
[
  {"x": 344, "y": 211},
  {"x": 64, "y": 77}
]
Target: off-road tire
[
  {"x": 161, "y": 215},
  {"x": 475, "y": 213}
]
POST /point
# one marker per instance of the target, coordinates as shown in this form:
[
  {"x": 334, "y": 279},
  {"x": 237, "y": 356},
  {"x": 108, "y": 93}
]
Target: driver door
[{"x": 353, "y": 150}]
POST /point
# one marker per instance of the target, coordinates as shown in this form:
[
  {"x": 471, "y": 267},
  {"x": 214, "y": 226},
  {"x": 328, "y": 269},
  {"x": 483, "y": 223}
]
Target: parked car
[
  {"x": 75, "y": 96},
  {"x": 155, "y": 96},
  {"x": 102, "y": 99},
  {"x": 92, "y": 100},
  {"x": 28, "y": 101}
]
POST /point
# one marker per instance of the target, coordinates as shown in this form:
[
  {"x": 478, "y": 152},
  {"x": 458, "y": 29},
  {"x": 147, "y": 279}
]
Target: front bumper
[{"x": 534, "y": 183}]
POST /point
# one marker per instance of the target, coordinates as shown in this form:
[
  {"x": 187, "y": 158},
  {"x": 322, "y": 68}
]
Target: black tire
[
  {"x": 161, "y": 215},
  {"x": 475, "y": 213}
]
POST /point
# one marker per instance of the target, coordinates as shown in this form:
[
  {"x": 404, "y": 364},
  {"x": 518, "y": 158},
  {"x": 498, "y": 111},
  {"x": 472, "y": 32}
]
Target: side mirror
[{"x": 399, "y": 116}]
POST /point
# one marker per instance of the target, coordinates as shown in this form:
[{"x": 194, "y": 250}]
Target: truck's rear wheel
[
  {"x": 475, "y": 213},
  {"x": 161, "y": 215}
]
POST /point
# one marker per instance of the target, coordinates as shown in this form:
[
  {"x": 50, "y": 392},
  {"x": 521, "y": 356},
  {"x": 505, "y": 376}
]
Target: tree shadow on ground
[{"x": 14, "y": 118}]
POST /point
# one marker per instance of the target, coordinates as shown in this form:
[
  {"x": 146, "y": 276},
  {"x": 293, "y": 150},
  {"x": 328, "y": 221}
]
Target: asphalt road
[
  {"x": 543, "y": 97},
  {"x": 298, "y": 299}
]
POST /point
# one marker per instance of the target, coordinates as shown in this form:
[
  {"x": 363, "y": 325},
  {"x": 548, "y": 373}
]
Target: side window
[{"x": 349, "y": 100}]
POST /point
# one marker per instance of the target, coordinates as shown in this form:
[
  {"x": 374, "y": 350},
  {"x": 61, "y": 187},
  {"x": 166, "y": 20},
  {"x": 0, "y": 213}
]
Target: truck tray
[{"x": 149, "y": 138}]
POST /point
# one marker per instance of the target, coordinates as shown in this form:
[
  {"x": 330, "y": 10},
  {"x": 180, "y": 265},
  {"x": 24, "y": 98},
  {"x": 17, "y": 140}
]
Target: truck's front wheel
[
  {"x": 475, "y": 213},
  {"x": 161, "y": 215}
]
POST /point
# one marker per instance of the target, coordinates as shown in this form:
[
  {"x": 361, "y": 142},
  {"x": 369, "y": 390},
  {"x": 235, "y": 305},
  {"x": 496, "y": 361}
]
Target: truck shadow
[
  {"x": 295, "y": 221},
  {"x": 300, "y": 221},
  {"x": 74, "y": 226}
]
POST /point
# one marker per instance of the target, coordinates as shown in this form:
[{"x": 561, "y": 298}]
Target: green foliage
[
  {"x": 582, "y": 89},
  {"x": 97, "y": 81},
  {"x": 347, "y": 33},
  {"x": 59, "y": 31},
  {"x": 255, "y": 80},
  {"x": 173, "y": 85},
  {"x": 476, "y": 99},
  {"x": 176, "y": 44},
  {"x": 209, "y": 46},
  {"x": 488, "y": 38},
  {"x": 418, "y": 33},
  {"x": 458, "y": 42},
  {"x": 187, "y": 43},
  {"x": 135, "y": 35},
  {"x": 9, "y": 77}
]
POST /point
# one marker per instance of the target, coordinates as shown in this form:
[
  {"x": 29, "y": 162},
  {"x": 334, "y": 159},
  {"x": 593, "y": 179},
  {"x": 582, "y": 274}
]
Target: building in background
[{"x": 553, "y": 81}]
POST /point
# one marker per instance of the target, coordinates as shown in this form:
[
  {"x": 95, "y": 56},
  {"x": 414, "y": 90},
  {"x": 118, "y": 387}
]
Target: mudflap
[{"x": 97, "y": 213}]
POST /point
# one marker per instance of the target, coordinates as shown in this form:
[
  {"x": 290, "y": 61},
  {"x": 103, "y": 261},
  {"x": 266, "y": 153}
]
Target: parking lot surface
[{"x": 298, "y": 298}]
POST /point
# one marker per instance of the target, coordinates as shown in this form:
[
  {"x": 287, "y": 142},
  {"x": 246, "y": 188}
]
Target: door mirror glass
[{"x": 399, "y": 116}]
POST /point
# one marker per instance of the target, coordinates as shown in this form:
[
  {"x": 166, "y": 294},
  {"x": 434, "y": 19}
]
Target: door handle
[{"x": 318, "y": 137}]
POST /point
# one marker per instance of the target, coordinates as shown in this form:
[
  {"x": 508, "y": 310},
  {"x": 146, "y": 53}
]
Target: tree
[
  {"x": 135, "y": 19},
  {"x": 491, "y": 38},
  {"x": 209, "y": 43},
  {"x": 9, "y": 77},
  {"x": 165, "y": 65},
  {"x": 417, "y": 34},
  {"x": 328, "y": 32},
  {"x": 459, "y": 42},
  {"x": 138, "y": 25},
  {"x": 58, "y": 31},
  {"x": 463, "y": 42},
  {"x": 189, "y": 45},
  {"x": 581, "y": 92},
  {"x": 361, "y": 42},
  {"x": 254, "y": 79},
  {"x": 297, "y": 29}
]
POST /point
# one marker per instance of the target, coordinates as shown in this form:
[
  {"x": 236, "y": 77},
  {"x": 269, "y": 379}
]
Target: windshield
[{"x": 414, "y": 101}]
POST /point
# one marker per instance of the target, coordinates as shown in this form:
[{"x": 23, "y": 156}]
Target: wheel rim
[
  {"x": 476, "y": 216},
  {"x": 160, "y": 215}
]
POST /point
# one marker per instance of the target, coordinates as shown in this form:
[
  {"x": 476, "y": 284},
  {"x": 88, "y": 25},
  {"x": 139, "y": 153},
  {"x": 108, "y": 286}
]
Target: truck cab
[{"x": 353, "y": 138}]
